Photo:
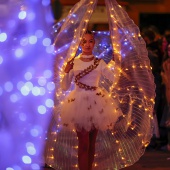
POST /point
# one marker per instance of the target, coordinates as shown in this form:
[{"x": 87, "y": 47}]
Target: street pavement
[{"x": 151, "y": 160}]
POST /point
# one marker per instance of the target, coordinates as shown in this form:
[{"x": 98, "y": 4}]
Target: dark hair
[
  {"x": 150, "y": 34},
  {"x": 88, "y": 32},
  {"x": 154, "y": 29}
]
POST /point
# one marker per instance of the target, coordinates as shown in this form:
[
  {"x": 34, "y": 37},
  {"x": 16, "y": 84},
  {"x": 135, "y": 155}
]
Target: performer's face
[{"x": 87, "y": 44}]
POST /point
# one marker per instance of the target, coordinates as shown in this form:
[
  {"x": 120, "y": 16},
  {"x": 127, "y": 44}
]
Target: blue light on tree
[{"x": 26, "y": 82}]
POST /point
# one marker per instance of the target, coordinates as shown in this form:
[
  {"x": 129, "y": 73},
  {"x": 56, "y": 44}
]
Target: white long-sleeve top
[{"x": 91, "y": 79}]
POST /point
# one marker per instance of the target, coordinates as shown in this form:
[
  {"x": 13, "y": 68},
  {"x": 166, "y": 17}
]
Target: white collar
[{"x": 86, "y": 56}]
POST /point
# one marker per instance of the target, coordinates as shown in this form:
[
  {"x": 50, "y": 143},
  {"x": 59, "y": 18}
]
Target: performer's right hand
[{"x": 69, "y": 66}]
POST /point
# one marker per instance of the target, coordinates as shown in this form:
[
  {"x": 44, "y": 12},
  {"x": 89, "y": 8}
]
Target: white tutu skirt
[{"x": 89, "y": 109}]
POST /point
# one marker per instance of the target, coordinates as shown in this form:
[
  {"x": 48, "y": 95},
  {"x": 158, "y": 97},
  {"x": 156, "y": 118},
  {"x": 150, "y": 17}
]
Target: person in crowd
[
  {"x": 155, "y": 56},
  {"x": 165, "y": 42},
  {"x": 166, "y": 81},
  {"x": 158, "y": 36},
  {"x": 165, "y": 108}
]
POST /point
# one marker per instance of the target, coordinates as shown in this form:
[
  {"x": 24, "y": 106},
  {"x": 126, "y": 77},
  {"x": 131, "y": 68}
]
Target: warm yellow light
[
  {"x": 72, "y": 55},
  {"x": 132, "y": 128},
  {"x": 76, "y": 166},
  {"x": 76, "y": 147},
  {"x": 117, "y": 141},
  {"x": 152, "y": 99},
  {"x": 95, "y": 164},
  {"x": 145, "y": 143},
  {"x": 139, "y": 134}
]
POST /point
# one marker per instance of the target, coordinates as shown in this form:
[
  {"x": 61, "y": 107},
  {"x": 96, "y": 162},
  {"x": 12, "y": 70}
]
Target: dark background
[{"x": 161, "y": 21}]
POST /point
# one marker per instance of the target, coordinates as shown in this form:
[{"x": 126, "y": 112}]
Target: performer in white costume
[
  {"x": 98, "y": 110},
  {"x": 103, "y": 112}
]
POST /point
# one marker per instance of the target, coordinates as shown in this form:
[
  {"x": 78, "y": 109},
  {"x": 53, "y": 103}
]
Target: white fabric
[
  {"x": 91, "y": 79},
  {"x": 98, "y": 109},
  {"x": 133, "y": 87},
  {"x": 66, "y": 82},
  {"x": 86, "y": 56}
]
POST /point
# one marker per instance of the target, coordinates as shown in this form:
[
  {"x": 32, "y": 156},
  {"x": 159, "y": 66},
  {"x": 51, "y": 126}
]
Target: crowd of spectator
[{"x": 158, "y": 47}]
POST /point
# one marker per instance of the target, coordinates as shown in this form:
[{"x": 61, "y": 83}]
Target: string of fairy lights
[{"x": 136, "y": 95}]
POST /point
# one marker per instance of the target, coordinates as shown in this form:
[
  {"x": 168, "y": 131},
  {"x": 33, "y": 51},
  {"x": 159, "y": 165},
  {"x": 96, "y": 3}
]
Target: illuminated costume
[
  {"x": 98, "y": 109},
  {"x": 133, "y": 86}
]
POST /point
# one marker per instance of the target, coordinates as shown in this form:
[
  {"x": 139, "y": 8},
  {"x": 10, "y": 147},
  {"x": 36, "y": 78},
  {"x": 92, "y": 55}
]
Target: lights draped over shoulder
[{"x": 133, "y": 86}]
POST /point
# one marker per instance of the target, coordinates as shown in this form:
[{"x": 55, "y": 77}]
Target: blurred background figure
[
  {"x": 166, "y": 79},
  {"x": 165, "y": 122},
  {"x": 155, "y": 56},
  {"x": 165, "y": 42}
]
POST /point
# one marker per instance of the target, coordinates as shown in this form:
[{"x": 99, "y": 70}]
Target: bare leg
[
  {"x": 92, "y": 141},
  {"x": 83, "y": 149}
]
